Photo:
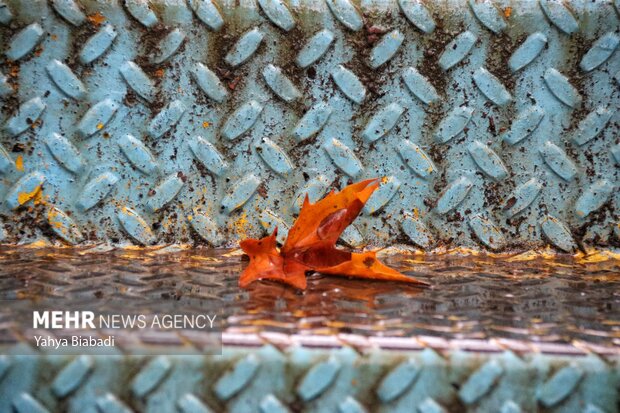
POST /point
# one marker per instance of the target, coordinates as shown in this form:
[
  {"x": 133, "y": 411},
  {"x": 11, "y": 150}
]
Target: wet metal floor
[{"x": 526, "y": 298}]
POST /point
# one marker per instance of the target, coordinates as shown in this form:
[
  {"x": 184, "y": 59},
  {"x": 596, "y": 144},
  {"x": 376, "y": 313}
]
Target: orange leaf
[
  {"x": 311, "y": 244},
  {"x": 323, "y": 222},
  {"x": 267, "y": 263},
  {"x": 366, "y": 265}
]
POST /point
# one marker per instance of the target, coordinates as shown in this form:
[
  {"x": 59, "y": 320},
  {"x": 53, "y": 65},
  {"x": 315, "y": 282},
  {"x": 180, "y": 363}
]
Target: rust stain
[
  {"x": 240, "y": 225},
  {"x": 14, "y": 70},
  {"x": 99, "y": 126},
  {"x": 52, "y": 216},
  {"x": 19, "y": 163},
  {"x": 160, "y": 73},
  {"x": 40, "y": 199},
  {"x": 206, "y": 124},
  {"x": 96, "y": 19},
  {"x": 593, "y": 255},
  {"x": 233, "y": 85},
  {"x": 40, "y": 243},
  {"x": 508, "y": 12},
  {"x": 24, "y": 197}
]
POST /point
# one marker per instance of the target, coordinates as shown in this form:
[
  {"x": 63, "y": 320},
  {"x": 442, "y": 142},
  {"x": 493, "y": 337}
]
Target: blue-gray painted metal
[
  {"x": 280, "y": 380},
  {"x": 484, "y": 116}
]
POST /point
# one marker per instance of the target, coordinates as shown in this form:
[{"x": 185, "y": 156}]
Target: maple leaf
[
  {"x": 311, "y": 244},
  {"x": 266, "y": 262}
]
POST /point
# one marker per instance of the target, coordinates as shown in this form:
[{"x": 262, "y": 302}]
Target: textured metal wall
[
  {"x": 494, "y": 123},
  {"x": 267, "y": 379}
]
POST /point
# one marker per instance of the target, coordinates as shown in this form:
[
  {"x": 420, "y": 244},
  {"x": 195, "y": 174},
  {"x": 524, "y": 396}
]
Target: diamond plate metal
[
  {"x": 525, "y": 383},
  {"x": 203, "y": 121},
  {"x": 526, "y": 332},
  {"x": 127, "y": 120}
]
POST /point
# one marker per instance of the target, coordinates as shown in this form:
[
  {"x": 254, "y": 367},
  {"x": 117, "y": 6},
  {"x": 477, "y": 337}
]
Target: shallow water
[{"x": 559, "y": 300}]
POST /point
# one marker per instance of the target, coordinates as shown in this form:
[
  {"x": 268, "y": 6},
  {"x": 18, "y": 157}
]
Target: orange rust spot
[
  {"x": 416, "y": 213},
  {"x": 19, "y": 163},
  {"x": 39, "y": 199},
  {"x": 160, "y": 73},
  {"x": 52, "y": 216},
  {"x": 14, "y": 70},
  {"x": 99, "y": 126},
  {"x": 507, "y": 12},
  {"x": 38, "y": 51},
  {"x": 240, "y": 225},
  {"x": 24, "y": 197},
  {"x": 96, "y": 19},
  {"x": 205, "y": 124},
  {"x": 233, "y": 85},
  {"x": 54, "y": 37},
  {"x": 38, "y": 244}
]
